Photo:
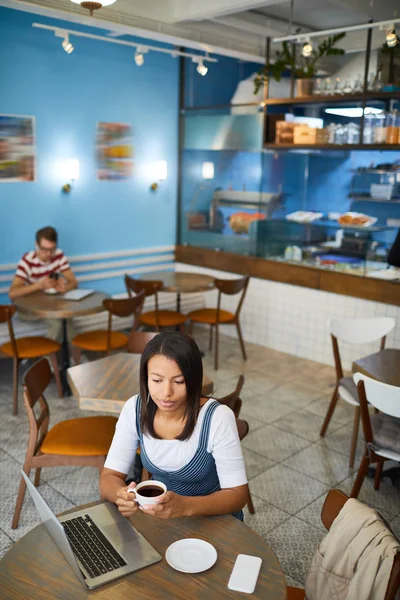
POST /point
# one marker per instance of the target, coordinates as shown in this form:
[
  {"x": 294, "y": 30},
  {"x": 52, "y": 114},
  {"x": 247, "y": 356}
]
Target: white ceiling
[{"x": 235, "y": 28}]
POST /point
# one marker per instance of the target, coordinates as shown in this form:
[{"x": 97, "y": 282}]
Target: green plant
[{"x": 288, "y": 59}]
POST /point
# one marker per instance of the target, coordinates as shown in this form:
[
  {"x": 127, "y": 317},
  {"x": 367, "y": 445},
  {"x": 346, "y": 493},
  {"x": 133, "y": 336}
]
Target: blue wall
[{"x": 68, "y": 95}]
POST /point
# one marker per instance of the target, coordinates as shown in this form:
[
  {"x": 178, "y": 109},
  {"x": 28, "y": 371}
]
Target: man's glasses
[{"x": 47, "y": 250}]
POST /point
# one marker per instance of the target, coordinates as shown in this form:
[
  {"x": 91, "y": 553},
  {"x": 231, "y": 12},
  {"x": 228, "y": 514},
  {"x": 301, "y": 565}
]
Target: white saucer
[
  {"x": 191, "y": 555},
  {"x": 51, "y": 291}
]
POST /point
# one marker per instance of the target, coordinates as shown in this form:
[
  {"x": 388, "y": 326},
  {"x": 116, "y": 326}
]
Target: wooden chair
[
  {"x": 381, "y": 430},
  {"x": 234, "y": 402},
  {"x": 217, "y": 316},
  {"x": 352, "y": 331},
  {"x": 77, "y": 442},
  {"x": 30, "y": 347},
  {"x": 105, "y": 340},
  {"x": 154, "y": 318},
  {"x": 334, "y": 502},
  {"x": 138, "y": 341}
]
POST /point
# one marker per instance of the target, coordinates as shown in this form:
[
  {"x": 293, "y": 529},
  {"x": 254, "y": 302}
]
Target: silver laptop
[
  {"x": 77, "y": 294},
  {"x": 98, "y": 543}
]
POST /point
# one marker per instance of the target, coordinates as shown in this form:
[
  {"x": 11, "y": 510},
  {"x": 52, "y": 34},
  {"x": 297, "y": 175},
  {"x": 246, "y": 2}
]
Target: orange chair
[
  {"x": 334, "y": 502},
  {"x": 27, "y": 347},
  {"x": 105, "y": 340},
  {"x": 217, "y": 316},
  {"x": 155, "y": 318},
  {"x": 77, "y": 442},
  {"x": 138, "y": 341}
]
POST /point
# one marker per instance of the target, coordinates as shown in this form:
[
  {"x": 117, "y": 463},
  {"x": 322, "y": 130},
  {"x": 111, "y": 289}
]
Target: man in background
[{"x": 45, "y": 268}]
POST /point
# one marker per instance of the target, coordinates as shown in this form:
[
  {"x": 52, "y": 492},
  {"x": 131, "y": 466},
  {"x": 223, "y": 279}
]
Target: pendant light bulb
[
  {"x": 391, "y": 37},
  {"x": 307, "y": 49}
]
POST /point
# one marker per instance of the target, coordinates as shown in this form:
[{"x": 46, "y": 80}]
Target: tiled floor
[{"x": 289, "y": 467}]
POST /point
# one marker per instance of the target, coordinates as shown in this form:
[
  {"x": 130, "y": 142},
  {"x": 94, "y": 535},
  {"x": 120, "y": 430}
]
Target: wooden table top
[
  {"x": 48, "y": 306},
  {"x": 383, "y": 366},
  {"x": 35, "y": 569},
  {"x": 106, "y": 384},
  {"x": 181, "y": 282}
]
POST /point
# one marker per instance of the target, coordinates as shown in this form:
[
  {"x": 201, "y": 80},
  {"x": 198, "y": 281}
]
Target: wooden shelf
[
  {"x": 347, "y": 147},
  {"x": 336, "y": 98}
]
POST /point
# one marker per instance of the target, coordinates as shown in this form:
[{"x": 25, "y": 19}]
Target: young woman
[{"x": 187, "y": 441}]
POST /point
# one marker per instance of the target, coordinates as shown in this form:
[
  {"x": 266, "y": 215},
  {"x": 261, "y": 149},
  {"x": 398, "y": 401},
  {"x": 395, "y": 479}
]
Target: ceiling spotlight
[
  {"x": 307, "y": 49},
  {"x": 66, "y": 44},
  {"x": 91, "y": 6},
  {"x": 139, "y": 55},
  {"x": 391, "y": 38},
  {"x": 201, "y": 68}
]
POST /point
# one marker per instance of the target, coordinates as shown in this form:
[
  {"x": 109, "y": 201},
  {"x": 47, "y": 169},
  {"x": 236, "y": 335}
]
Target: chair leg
[
  {"x": 329, "y": 414},
  {"x": 37, "y": 476},
  {"x": 20, "y": 500},
  {"x": 378, "y": 475},
  {"x": 216, "y": 347},
  {"x": 76, "y": 354},
  {"x": 355, "y": 436},
  {"x": 250, "y": 504},
  {"x": 210, "y": 341},
  {"x": 241, "y": 340},
  {"x": 15, "y": 386},
  {"x": 362, "y": 471},
  {"x": 53, "y": 358}
]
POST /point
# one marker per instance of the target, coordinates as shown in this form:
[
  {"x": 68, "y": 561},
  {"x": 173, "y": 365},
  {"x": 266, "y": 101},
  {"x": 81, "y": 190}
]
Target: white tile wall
[{"x": 293, "y": 319}]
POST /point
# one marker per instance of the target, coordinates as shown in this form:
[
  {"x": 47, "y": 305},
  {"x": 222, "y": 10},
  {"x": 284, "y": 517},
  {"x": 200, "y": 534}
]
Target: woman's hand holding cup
[{"x": 126, "y": 501}]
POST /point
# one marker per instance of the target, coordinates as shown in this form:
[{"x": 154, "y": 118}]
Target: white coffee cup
[{"x": 148, "y": 499}]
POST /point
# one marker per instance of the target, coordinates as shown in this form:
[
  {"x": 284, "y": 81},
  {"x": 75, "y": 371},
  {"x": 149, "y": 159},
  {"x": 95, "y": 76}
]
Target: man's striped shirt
[{"x": 31, "y": 269}]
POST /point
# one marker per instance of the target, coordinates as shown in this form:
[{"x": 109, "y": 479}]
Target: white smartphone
[{"x": 245, "y": 573}]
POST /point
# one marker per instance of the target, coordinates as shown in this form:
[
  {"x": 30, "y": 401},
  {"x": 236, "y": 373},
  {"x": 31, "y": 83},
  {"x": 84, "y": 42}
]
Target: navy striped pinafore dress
[{"x": 199, "y": 476}]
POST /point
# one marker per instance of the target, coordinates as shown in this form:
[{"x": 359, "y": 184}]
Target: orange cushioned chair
[
  {"x": 155, "y": 318},
  {"x": 76, "y": 442},
  {"x": 27, "y": 347},
  {"x": 217, "y": 316},
  {"x": 105, "y": 340}
]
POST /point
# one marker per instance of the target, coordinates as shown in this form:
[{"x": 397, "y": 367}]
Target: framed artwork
[
  {"x": 114, "y": 149},
  {"x": 17, "y": 149}
]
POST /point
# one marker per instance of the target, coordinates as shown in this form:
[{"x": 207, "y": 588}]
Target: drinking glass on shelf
[
  {"x": 346, "y": 89},
  {"x": 318, "y": 87},
  {"x": 331, "y": 130},
  {"x": 340, "y": 134},
  {"x": 337, "y": 87},
  {"x": 353, "y": 136},
  {"x": 328, "y": 91},
  {"x": 357, "y": 85}
]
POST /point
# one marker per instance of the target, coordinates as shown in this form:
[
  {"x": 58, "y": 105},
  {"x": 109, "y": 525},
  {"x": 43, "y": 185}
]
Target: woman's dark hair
[{"x": 184, "y": 351}]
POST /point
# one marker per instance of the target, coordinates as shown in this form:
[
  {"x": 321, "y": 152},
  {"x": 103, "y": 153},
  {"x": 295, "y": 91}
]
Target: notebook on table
[
  {"x": 77, "y": 294},
  {"x": 98, "y": 543}
]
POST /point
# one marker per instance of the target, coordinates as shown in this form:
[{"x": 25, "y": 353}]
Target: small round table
[
  {"x": 181, "y": 282},
  {"x": 54, "y": 306},
  {"x": 35, "y": 569}
]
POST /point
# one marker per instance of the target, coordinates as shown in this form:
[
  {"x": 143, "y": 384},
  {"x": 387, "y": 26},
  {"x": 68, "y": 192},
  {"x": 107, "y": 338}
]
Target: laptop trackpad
[{"x": 121, "y": 533}]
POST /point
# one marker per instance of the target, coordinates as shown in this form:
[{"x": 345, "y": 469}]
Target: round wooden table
[
  {"x": 54, "y": 306},
  {"x": 181, "y": 282},
  {"x": 35, "y": 569}
]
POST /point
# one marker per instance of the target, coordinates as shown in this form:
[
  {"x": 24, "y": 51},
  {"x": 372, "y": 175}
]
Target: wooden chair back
[
  {"x": 140, "y": 285},
  {"x": 232, "y": 400},
  {"x": 357, "y": 331},
  {"x": 334, "y": 502},
  {"x": 231, "y": 287},
  {"x": 123, "y": 307},
  {"x": 36, "y": 381},
  {"x": 7, "y": 311},
  {"x": 138, "y": 341}
]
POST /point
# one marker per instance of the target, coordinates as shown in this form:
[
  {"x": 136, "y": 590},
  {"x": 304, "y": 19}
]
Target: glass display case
[{"x": 329, "y": 209}]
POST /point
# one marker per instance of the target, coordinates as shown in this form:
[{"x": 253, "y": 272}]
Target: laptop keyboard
[{"x": 90, "y": 545}]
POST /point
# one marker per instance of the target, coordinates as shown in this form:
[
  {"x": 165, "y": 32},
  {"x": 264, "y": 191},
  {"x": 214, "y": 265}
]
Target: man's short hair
[{"x": 48, "y": 233}]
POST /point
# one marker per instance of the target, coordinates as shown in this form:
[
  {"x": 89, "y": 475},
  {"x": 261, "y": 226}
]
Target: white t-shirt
[{"x": 172, "y": 455}]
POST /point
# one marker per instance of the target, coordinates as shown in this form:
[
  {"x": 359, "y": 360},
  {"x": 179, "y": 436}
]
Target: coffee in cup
[{"x": 148, "y": 492}]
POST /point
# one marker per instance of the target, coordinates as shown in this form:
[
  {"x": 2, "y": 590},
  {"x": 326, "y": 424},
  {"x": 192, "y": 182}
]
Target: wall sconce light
[
  {"x": 71, "y": 173},
  {"x": 207, "y": 170},
  {"x": 161, "y": 173}
]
